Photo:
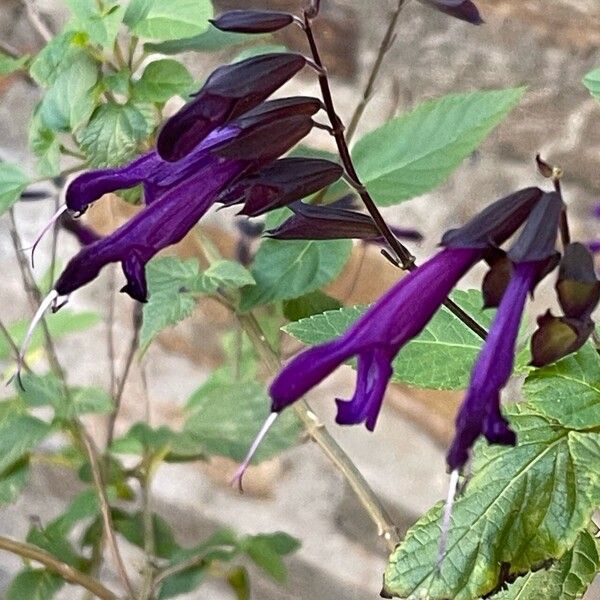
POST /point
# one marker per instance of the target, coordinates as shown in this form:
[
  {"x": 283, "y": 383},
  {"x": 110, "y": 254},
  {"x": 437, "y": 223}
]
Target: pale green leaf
[
  {"x": 101, "y": 24},
  {"x": 113, "y": 134},
  {"x": 416, "y": 152},
  {"x": 212, "y": 40},
  {"x": 223, "y": 273},
  {"x": 288, "y": 269},
  {"x": 71, "y": 100},
  {"x": 19, "y": 436},
  {"x": 13, "y": 481},
  {"x": 567, "y": 579},
  {"x": 57, "y": 56},
  {"x": 34, "y": 584},
  {"x": 163, "y": 79},
  {"x": 45, "y": 146},
  {"x": 523, "y": 506},
  {"x": 12, "y": 183},
  {"x": 9, "y": 65},
  {"x": 592, "y": 83},
  {"x": 171, "y": 20}
]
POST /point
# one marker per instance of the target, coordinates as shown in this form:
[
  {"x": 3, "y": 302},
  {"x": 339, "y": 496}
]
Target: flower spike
[{"x": 239, "y": 474}]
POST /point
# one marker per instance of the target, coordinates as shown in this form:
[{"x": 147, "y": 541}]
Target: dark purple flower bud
[
  {"x": 229, "y": 92},
  {"x": 397, "y": 317},
  {"x": 497, "y": 278},
  {"x": 546, "y": 170},
  {"x": 252, "y": 21},
  {"x": 480, "y": 413},
  {"x": 496, "y": 223},
  {"x": 281, "y": 183},
  {"x": 465, "y": 10},
  {"x": 577, "y": 287},
  {"x": 556, "y": 337}
]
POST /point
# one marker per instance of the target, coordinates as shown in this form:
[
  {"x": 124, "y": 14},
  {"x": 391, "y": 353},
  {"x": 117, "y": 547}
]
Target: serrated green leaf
[
  {"x": 212, "y": 40},
  {"x": 567, "y": 579},
  {"x": 9, "y": 65},
  {"x": 45, "y": 146},
  {"x": 592, "y": 83},
  {"x": 416, "y": 152},
  {"x": 19, "y": 435},
  {"x": 568, "y": 390},
  {"x": 225, "y": 416},
  {"x": 113, "y": 134},
  {"x": 60, "y": 324},
  {"x": 523, "y": 506},
  {"x": 56, "y": 56},
  {"x": 34, "y": 584},
  {"x": 171, "y": 21},
  {"x": 440, "y": 357},
  {"x": 101, "y": 24},
  {"x": 163, "y": 79},
  {"x": 12, "y": 183},
  {"x": 71, "y": 100},
  {"x": 118, "y": 82},
  {"x": 288, "y": 269},
  {"x": 223, "y": 273}
]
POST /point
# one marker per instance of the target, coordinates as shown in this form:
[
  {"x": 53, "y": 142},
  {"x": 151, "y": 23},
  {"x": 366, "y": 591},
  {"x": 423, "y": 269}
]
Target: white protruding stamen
[
  {"x": 44, "y": 231},
  {"x": 452, "y": 488},
  {"x": 239, "y": 474},
  {"x": 44, "y": 306}
]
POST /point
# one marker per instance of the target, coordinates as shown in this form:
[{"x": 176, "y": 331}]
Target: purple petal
[
  {"x": 480, "y": 411},
  {"x": 465, "y": 10},
  {"x": 252, "y": 21},
  {"x": 373, "y": 374},
  {"x": 134, "y": 270}
]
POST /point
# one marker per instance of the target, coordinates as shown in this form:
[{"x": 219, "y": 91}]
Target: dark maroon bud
[
  {"x": 578, "y": 287},
  {"x": 229, "y": 92},
  {"x": 317, "y": 222},
  {"x": 280, "y": 109},
  {"x": 465, "y": 10},
  {"x": 252, "y": 21},
  {"x": 544, "y": 168},
  {"x": 313, "y": 10},
  {"x": 495, "y": 223},
  {"x": 264, "y": 142},
  {"x": 497, "y": 278},
  {"x": 556, "y": 337},
  {"x": 285, "y": 181},
  {"x": 537, "y": 242}
]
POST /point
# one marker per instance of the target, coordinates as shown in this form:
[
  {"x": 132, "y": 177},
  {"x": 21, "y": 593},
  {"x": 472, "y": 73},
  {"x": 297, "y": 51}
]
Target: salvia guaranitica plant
[{"x": 523, "y": 486}]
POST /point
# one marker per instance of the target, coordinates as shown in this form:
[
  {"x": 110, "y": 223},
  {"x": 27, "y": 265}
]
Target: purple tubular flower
[
  {"x": 228, "y": 93},
  {"x": 399, "y": 315},
  {"x": 531, "y": 256},
  {"x": 465, "y": 10},
  {"x": 181, "y": 193},
  {"x": 376, "y": 338}
]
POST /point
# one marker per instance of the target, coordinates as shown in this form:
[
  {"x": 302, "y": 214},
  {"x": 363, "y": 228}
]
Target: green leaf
[
  {"x": 174, "y": 285},
  {"x": 568, "y": 390},
  {"x": 523, "y": 506},
  {"x": 113, "y": 134},
  {"x": 57, "y": 56},
  {"x": 34, "y": 584},
  {"x": 567, "y": 579},
  {"x": 239, "y": 582},
  {"x": 101, "y": 25},
  {"x": 71, "y": 100},
  {"x": 12, "y": 183},
  {"x": 440, "y": 357},
  {"x": 45, "y": 146},
  {"x": 163, "y": 79},
  {"x": 84, "y": 506},
  {"x": 288, "y": 269},
  {"x": 19, "y": 435},
  {"x": 225, "y": 415},
  {"x": 308, "y": 305},
  {"x": 171, "y": 20},
  {"x": 9, "y": 65},
  {"x": 416, "y": 152},
  {"x": 592, "y": 83},
  {"x": 131, "y": 526},
  {"x": 183, "y": 582},
  {"x": 266, "y": 551},
  {"x": 212, "y": 40},
  {"x": 60, "y": 324},
  {"x": 13, "y": 481},
  {"x": 136, "y": 12}
]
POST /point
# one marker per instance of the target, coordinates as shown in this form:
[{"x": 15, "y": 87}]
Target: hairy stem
[
  {"x": 405, "y": 258},
  {"x": 67, "y": 572}
]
